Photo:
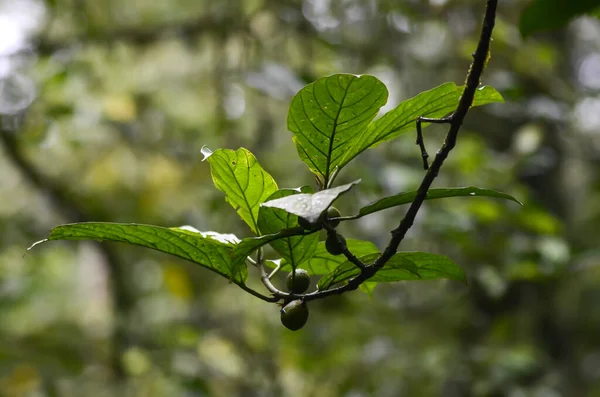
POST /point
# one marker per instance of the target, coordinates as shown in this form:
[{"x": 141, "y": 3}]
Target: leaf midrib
[
  {"x": 242, "y": 190},
  {"x": 335, "y": 126}
]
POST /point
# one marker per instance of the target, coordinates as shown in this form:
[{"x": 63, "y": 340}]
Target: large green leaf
[
  {"x": 245, "y": 183},
  {"x": 434, "y": 103},
  {"x": 310, "y": 206},
  {"x": 408, "y": 197},
  {"x": 294, "y": 250},
  {"x": 322, "y": 262},
  {"x": 401, "y": 267},
  {"x": 327, "y": 115},
  {"x": 543, "y": 15},
  {"x": 207, "y": 249}
]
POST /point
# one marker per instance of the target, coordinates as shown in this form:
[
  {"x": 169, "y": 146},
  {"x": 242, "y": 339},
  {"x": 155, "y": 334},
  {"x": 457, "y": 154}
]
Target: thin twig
[
  {"x": 421, "y": 142},
  {"x": 266, "y": 280},
  {"x": 346, "y": 252},
  {"x": 271, "y": 299},
  {"x": 275, "y": 271}
]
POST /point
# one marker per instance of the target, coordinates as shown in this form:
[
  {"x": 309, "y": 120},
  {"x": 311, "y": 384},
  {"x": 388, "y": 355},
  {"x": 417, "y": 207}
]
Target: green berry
[
  {"x": 333, "y": 212},
  {"x": 294, "y": 315},
  {"x": 305, "y": 224},
  {"x": 298, "y": 281},
  {"x": 335, "y": 244}
]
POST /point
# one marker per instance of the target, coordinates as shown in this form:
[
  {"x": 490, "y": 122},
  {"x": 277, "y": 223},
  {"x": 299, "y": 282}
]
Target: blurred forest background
[{"x": 105, "y": 106}]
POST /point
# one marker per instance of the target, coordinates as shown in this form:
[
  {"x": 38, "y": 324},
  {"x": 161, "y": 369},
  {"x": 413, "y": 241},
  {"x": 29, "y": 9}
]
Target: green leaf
[
  {"x": 322, "y": 262},
  {"x": 402, "y": 266},
  {"x": 245, "y": 183},
  {"x": 310, "y": 206},
  {"x": 429, "y": 267},
  {"x": 294, "y": 250},
  {"x": 207, "y": 249},
  {"x": 248, "y": 245},
  {"x": 484, "y": 96},
  {"x": 347, "y": 270},
  {"x": 543, "y": 15},
  {"x": 326, "y": 115},
  {"x": 408, "y": 197},
  {"x": 437, "y": 102}
]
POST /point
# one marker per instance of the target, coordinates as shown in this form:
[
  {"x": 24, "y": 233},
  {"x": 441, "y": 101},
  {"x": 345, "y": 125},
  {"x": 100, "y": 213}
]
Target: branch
[
  {"x": 266, "y": 280},
  {"x": 258, "y": 294},
  {"x": 456, "y": 119}
]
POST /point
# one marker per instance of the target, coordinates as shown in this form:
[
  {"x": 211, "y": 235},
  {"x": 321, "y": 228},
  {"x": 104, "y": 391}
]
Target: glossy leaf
[
  {"x": 328, "y": 114},
  {"x": 544, "y": 15},
  {"x": 310, "y": 206},
  {"x": 245, "y": 183},
  {"x": 402, "y": 266},
  {"x": 437, "y": 102},
  {"x": 295, "y": 250},
  {"x": 207, "y": 249},
  {"x": 408, "y": 197}
]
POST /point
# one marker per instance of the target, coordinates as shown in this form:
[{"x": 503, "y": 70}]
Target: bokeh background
[{"x": 105, "y": 106}]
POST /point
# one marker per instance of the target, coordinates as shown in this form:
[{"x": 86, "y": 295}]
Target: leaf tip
[
  {"x": 497, "y": 96},
  {"x": 206, "y": 152}
]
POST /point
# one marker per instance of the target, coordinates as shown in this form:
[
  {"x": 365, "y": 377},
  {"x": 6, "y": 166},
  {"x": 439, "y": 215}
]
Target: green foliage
[
  {"x": 245, "y": 183},
  {"x": 128, "y": 93},
  {"x": 408, "y": 197},
  {"x": 436, "y": 102},
  {"x": 403, "y": 266},
  {"x": 250, "y": 244},
  {"x": 545, "y": 15},
  {"x": 210, "y": 250},
  {"x": 332, "y": 122},
  {"x": 331, "y": 118},
  {"x": 328, "y": 115},
  {"x": 322, "y": 262}
]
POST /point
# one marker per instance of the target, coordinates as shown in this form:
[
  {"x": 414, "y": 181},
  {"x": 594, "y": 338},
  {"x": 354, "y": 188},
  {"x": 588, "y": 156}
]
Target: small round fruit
[
  {"x": 312, "y": 226},
  {"x": 298, "y": 281},
  {"x": 304, "y": 223},
  {"x": 333, "y": 212},
  {"x": 294, "y": 315},
  {"x": 335, "y": 244}
]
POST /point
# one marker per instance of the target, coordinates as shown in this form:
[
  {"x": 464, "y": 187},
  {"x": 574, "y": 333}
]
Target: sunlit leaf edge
[{"x": 131, "y": 233}]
